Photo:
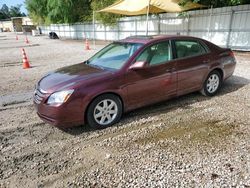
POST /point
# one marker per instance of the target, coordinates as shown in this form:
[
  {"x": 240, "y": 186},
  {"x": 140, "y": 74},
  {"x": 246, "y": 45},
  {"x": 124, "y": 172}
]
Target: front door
[{"x": 155, "y": 82}]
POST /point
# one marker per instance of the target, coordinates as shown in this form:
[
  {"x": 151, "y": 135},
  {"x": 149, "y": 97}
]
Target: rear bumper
[{"x": 229, "y": 70}]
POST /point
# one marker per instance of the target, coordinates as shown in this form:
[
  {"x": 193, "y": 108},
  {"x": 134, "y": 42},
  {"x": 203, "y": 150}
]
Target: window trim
[{"x": 206, "y": 49}]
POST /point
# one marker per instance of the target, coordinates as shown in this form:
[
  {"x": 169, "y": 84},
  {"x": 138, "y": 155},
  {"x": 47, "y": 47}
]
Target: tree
[
  {"x": 218, "y": 3},
  {"x": 4, "y": 12},
  {"x": 105, "y": 18},
  {"x": 71, "y": 11},
  {"x": 59, "y": 11},
  {"x": 15, "y": 11},
  {"x": 37, "y": 10}
]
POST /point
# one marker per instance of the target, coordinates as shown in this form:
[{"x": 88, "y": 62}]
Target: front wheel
[
  {"x": 104, "y": 111},
  {"x": 212, "y": 84}
]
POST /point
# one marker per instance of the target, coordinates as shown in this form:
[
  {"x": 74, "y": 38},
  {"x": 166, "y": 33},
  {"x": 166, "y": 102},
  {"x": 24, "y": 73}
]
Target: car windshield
[{"x": 113, "y": 56}]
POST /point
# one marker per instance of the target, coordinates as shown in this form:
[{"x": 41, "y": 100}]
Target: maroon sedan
[{"x": 129, "y": 74}]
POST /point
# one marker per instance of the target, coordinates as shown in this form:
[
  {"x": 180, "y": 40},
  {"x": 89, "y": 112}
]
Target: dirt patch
[
  {"x": 22, "y": 46},
  {"x": 192, "y": 132},
  {"x": 11, "y": 64},
  {"x": 13, "y": 103}
]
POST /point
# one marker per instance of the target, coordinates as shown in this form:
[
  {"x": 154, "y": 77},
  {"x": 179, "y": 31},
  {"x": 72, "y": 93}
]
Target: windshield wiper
[{"x": 96, "y": 66}]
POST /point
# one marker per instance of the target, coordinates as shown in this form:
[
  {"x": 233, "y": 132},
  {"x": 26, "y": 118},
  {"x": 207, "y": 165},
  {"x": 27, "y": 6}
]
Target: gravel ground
[{"x": 191, "y": 141}]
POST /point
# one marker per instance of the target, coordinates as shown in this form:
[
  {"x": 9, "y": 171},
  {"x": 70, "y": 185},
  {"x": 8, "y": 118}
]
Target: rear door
[
  {"x": 157, "y": 81},
  {"x": 192, "y": 59}
]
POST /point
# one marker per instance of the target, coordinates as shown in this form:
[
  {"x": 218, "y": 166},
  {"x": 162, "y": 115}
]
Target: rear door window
[{"x": 187, "y": 48}]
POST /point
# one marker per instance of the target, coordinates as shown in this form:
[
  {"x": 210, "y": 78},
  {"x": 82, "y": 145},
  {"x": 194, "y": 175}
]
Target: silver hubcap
[
  {"x": 105, "y": 112},
  {"x": 213, "y": 83}
]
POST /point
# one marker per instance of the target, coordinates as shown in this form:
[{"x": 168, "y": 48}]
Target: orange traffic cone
[
  {"x": 16, "y": 37},
  {"x": 87, "y": 44},
  {"x": 26, "y": 40},
  {"x": 26, "y": 64}
]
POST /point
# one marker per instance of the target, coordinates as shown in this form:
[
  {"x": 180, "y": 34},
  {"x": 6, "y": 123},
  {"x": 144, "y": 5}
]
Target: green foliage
[
  {"x": 71, "y": 11},
  {"x": 37, "y": 10},
  {"x": 218, "y": 3},
  {"x": 68, "y": 11},
  {"x": 59, "y": 11},
  {"x": 5, "y": 10},
  {"x": 104, "y": 18},
  {"x": 13, "y": 11}
]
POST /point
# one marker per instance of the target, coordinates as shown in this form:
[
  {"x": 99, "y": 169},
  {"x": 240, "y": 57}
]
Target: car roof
[{"x": 151, "y": 38}]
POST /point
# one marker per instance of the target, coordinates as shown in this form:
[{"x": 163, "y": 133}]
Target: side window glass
[
  {"x": 156, "y": 54},
  {"x": 188, "y": 48}
]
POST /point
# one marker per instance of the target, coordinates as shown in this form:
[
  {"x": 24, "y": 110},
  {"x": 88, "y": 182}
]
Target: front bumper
[
  {"x": 68, "y": 114},
  {"x": 59, "y": 123}
]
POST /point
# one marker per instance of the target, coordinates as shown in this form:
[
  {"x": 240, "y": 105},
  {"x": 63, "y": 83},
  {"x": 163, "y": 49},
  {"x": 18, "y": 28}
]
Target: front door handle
[
  {"x": 170, "y": 70},
  {"x": 206, "y": 61}
]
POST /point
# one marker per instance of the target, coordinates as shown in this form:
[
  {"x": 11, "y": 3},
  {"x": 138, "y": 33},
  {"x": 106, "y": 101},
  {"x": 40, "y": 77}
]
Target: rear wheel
[
  {"x": 212, "y": 84},
  {"x": 104, "y": 111}
]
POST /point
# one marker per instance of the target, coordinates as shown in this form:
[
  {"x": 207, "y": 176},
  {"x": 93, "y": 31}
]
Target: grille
[{"x": 38, "y": 96}]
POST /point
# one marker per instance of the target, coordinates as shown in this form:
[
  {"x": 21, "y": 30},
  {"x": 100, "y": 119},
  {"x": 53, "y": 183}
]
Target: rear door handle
[{"x": 206, "y": 61}]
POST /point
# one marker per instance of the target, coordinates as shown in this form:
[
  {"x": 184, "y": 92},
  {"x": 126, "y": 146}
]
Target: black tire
[
  {"x": 205, "y": 91},
  {"x": 92, "y": 109}
]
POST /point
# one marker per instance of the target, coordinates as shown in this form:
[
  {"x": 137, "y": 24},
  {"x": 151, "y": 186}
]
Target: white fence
[{"x": 226, "y": 27}]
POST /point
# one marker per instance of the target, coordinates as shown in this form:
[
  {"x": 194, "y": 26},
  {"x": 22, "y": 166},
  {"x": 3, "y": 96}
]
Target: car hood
[{"x": 68, "y": 76}]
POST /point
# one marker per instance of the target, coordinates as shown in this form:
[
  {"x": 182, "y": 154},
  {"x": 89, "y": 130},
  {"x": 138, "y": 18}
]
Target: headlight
[{"x": 59, "y": 97}]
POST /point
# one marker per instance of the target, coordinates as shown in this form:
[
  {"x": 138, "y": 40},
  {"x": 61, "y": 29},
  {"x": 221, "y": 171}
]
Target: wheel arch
[{"x": 219, "y": 70}]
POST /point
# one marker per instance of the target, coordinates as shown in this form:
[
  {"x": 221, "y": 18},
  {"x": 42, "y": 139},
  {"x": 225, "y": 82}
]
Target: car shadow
[
  {"x": 77, "y": 130},
  {"x": 232, "y": 84}
]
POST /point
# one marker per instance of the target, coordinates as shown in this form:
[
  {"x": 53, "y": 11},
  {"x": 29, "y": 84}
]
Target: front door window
[{"x": 156, "y": 54}]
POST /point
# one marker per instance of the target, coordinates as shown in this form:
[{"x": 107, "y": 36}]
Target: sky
[{"x": 10, "y": 3}]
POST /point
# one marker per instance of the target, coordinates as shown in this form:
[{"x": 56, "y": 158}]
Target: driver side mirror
[{"x": 138, "y": 65}]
